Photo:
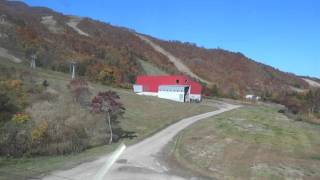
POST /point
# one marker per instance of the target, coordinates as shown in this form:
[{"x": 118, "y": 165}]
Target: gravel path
[{"x": 140, "y": 161}]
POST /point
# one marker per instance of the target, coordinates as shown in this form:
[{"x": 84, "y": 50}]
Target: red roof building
[{"x": 169, "y": 86}]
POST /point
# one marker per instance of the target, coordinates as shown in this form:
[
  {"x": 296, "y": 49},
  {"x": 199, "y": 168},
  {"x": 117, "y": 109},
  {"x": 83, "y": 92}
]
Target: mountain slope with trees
[{"x": 112, "y": 55}]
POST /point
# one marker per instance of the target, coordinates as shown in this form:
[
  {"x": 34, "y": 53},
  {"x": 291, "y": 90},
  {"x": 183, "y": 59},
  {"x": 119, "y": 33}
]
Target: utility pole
[
  {"x": 73, "y": 70},
  {"x": 33, "y": 61},
  {"x": 3, "y": 19}
]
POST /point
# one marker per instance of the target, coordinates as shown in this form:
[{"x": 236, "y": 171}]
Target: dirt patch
[
  {"x": 4, "y": 53},
  {"x": 73, "y": 23},
  {"x": 51, "y": 24},
  {"x": 312, "y": 83}
]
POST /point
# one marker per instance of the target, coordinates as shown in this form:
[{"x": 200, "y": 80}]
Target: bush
[
  {"x": 215, "y": 90},
  {"x": 232, "y": 93},
  {"x": 45, "y": 83},
  {"x": 12, "y": 99},
  {"x": 21, "y": 117},
  {"x": 80, "y": 91},
  {"x": 45, "y": 96},
  {"x": 57, "y": 138},
  {"x": 39, "y": 131},
  {"x": 8, "y": 107},
  {"x": 15, "y": 139},
  {"x": 54, "y": 138}
]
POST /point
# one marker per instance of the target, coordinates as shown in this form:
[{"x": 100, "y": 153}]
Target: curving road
[{"x": 140, "y": 161}]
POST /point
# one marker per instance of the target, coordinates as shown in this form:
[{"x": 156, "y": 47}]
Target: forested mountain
[{"x": 113, "y": 55}]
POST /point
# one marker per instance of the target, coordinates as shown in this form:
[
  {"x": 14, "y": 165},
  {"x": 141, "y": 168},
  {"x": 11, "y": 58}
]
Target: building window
[{"x": 177, "y": 81}]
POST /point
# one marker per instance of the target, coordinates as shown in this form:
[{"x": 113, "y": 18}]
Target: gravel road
[{"x": 140, "y": 161}]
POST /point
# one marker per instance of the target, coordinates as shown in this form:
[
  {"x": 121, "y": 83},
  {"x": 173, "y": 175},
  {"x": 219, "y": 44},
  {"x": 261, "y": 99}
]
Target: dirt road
[{"x": 140, "y": 161}]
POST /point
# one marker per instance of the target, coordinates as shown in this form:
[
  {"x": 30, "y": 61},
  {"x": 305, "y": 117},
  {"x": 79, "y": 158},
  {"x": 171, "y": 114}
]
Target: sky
[{"x": 282, "y": 33}]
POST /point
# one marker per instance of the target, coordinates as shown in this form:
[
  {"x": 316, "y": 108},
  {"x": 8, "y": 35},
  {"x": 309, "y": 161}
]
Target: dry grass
[
  {"x": 151, "y": 69},
  {"x": 251, "y": 143},
  {"x": 144, "y": 115}
]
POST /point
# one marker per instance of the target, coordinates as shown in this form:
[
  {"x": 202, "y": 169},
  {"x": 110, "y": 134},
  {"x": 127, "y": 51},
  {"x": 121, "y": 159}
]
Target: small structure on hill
[
  {"x": 177, "y": 88},
  {"x": 252, "y": 97}
]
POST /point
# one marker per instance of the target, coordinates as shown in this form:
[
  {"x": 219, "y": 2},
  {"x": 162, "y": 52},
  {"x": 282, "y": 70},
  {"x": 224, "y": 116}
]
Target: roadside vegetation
[
  {"x": 47, "y": 122},
  {"x": 301, "y": 106},
  {"x": 253, "y": 142}
]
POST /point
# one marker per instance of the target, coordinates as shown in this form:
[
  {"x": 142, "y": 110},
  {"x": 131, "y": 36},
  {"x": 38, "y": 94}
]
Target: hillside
[
  {"x": 113, "y": 55},
  {"x": 253, "y": 142},
  {"x": 60, "y": 132},
  {"x": 313, "y": 82},
  {"x": 232, "y": 70},
  {"x": 104, "y": 52}
]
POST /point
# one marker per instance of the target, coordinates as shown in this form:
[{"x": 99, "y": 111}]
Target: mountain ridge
[{"x": 112, "y": 54}]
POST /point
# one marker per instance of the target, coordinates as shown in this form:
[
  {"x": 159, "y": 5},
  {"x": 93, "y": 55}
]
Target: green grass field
[
  {"x": 250, "y": 143},
  {"x": 144, "y": 115}
]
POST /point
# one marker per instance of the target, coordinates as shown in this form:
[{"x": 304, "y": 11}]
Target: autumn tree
[
  {"x": 215, "y": 90},
  {"x": 232, "y": 93},
  {"x": 80, "y": 90},
  {"x": 7, "y": 107},
  {"x": 108, "y": 103},
  {"x": 12, "y": 98},
  {"x": 312, "y": 100}
]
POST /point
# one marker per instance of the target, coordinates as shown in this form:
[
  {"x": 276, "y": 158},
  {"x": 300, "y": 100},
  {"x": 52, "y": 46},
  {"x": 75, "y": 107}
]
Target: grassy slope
[
  {"x": 144, "y": 115},
  {"x": 251, "y": 143},
  {"x": 151, "y": 69}
]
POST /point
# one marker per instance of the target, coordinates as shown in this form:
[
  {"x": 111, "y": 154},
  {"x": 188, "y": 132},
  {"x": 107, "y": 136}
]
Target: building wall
[
  {"x": 196, "y": 97},
  {"x": 148, "y": 93},
  {"x": 175, "y": 96},
  {"x": 137, "y": 88},
  {"x": 152, "y": 83},
  {"x": 150, "y": 86}
]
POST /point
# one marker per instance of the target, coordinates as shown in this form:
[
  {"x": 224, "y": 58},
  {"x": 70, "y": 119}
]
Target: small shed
[{"x": 252, "y": 97}]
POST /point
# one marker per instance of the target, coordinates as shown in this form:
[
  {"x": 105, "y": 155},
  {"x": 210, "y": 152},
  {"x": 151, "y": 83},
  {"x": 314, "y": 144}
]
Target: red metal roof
[{"x": 152, "y": 83}]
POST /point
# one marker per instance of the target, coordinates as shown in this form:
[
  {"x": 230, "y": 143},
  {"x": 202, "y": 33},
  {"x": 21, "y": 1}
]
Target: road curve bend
[{"x": 139, "y": 161}]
